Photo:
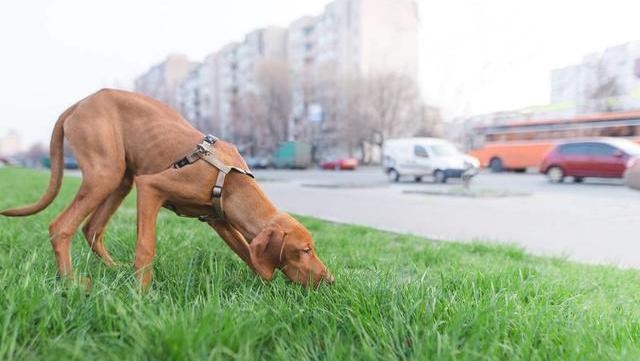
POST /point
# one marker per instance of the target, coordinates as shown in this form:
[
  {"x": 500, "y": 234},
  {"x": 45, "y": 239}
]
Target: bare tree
[
  {"x": 427, "y": 120},
  {"x": 605, "y": 87},
  {"x": 261, "y": 115},
  {"x": 354, "y": 132},
  {"x": 274, "y": 89},
  {"x": 247, "y": 114},
  {"x": 35, "y": 155},
  {"x": 319, "y": 86},
  {"x": 361, "y": 112},
  {"x": 384, "y": 105},
  {"x": 390, "y": 98}
]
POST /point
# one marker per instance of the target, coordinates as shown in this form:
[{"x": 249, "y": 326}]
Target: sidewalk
[{"x": 589, "y": 229}]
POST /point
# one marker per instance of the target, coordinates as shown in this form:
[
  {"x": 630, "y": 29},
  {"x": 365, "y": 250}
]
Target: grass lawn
[{"x": 395, "y": 297}]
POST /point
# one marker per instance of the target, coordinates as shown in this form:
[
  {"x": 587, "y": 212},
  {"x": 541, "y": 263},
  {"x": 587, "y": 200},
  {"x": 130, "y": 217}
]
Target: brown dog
[{"x": 120, "y": 138}]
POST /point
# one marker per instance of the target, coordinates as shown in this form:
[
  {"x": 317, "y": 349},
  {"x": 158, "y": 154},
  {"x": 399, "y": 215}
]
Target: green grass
[{"x": 395, "y": 297}]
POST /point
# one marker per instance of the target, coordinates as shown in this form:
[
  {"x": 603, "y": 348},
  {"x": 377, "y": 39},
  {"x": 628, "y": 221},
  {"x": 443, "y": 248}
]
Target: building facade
[
  {"x": 351, "y": 38},
  {"x": 197, "y": 95},
  {"x": 239, "y": 68},
  {"x": 162, "y": 80},
  {"x": 328, "y": 53},
  {"x": 608, "y": 80}
]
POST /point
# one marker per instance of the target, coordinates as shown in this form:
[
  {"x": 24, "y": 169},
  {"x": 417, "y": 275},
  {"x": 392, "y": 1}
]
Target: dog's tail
[{"x": 57, "y": 167}]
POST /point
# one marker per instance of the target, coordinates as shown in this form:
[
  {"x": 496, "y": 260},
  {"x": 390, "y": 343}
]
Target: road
[{"x": 595, "y": 222}]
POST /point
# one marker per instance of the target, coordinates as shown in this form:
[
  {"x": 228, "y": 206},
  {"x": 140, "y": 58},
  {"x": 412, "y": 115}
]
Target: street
[{"x": 595, "y": 222}]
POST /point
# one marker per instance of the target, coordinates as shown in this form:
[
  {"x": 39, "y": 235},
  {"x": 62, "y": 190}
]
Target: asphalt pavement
[{"x": 597, "y": 221}]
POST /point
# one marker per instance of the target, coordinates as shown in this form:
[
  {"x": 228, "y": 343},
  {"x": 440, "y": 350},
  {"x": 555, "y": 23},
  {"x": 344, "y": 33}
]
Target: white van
[{"x": 425, "y": 157}]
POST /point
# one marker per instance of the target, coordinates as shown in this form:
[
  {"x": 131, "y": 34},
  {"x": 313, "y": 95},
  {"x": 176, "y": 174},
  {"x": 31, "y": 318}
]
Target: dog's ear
[{"x": 265, "y": 251}]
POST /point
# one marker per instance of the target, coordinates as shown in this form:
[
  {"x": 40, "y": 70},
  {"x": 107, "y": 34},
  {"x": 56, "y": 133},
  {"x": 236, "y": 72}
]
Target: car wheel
[
  {"x": 439, "y": 176},
  {"x": 496, "y": 165},
  {"x": 393, "y": 175},
  {"x": 418, "y": 179},
  {"x": 555, "y": 174},
  {"x": 578, "y": 179}
]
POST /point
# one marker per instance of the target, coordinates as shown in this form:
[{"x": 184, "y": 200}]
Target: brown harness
[{"x": 206, "y": 152}]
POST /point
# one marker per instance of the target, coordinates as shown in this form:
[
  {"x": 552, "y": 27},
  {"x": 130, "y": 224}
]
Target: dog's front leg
[{"x": 149, "y": 203}]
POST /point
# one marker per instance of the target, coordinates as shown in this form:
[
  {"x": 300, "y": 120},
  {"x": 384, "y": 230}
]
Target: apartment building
[
  {"x": 350, "y": 38},
  {"x": 161, "y": 80},
  {"x": 197, "y": 95},
  {"x": 608, "y": 80},
  {"x": 239, "y": 66}
]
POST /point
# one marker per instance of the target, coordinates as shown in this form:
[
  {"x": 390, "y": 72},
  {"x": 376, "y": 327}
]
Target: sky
[{"x": 476, "y": 56}]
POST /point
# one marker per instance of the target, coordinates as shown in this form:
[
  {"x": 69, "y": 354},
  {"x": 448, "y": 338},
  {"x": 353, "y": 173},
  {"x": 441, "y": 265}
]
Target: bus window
[{"x": 618, "y": 131}]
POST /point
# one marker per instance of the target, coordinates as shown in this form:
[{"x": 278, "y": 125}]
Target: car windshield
[
  {"x": 627, "y": 146},
  {"x": 444, "y": 149}
]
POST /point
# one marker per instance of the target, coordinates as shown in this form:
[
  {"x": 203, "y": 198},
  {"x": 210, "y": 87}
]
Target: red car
[
  {"x": 340, "y": 164},
  {"x": 603, "y": 157}
]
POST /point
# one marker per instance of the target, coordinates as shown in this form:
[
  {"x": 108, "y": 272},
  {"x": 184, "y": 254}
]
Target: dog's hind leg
[
  {"x": 100, "y": 155},
  {"x": 93, "y": 191},
  {"x": 95, "y": 227}
]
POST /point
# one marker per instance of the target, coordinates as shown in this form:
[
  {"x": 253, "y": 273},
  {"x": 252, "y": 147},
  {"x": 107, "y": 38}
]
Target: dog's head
[{"x": 286, "y": 244}]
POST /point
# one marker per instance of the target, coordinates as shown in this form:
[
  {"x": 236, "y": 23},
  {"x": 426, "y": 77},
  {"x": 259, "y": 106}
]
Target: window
[
  {"x": 420, "y": 151},
  {"x": 307, "y": 30},
  {"x": 600, "y": 149},
  {"x": 618, "y": 131},
  {"x": 573, "y": 149},
  {"x": 444, "y": 149}
]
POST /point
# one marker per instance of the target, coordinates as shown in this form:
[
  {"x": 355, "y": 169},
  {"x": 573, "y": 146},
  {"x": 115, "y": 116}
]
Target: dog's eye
[{"x": 307, "y": 250}]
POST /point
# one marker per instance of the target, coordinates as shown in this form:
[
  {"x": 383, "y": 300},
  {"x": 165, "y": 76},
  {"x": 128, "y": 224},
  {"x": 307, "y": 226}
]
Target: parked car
[
  {"x": 425, "y": 157},
  {"x": 340, "y": 163},
  {"x": 70, "y": 162},
  {"x": 601, "y": 157},
  {"x": 258, "y": 162},
  {"x": 632, "y": 173}
]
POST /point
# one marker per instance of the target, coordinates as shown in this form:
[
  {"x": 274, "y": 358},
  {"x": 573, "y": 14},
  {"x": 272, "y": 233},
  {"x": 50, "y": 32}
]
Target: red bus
[{"x": 519, "y": 145}]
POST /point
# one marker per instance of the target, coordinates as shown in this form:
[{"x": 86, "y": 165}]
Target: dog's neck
[{"x": 248, "y": 209}]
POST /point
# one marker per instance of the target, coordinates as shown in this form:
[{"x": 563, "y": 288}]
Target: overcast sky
[{"x": 476, "y": 56}]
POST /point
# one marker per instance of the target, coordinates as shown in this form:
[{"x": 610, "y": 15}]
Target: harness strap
[
  {"x": 208, "y": 141},
  {"x": 216, "y": 194},
  {"x": 205, "y": 151},
  {"x": 223, "y": 170}
]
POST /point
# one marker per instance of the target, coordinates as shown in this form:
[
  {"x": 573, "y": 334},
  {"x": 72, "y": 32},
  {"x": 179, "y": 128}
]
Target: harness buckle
[
  {"x": 181, "y": 163},
  {"x": 203, "y": 148},
  {"x": 216, "y": 192}
]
